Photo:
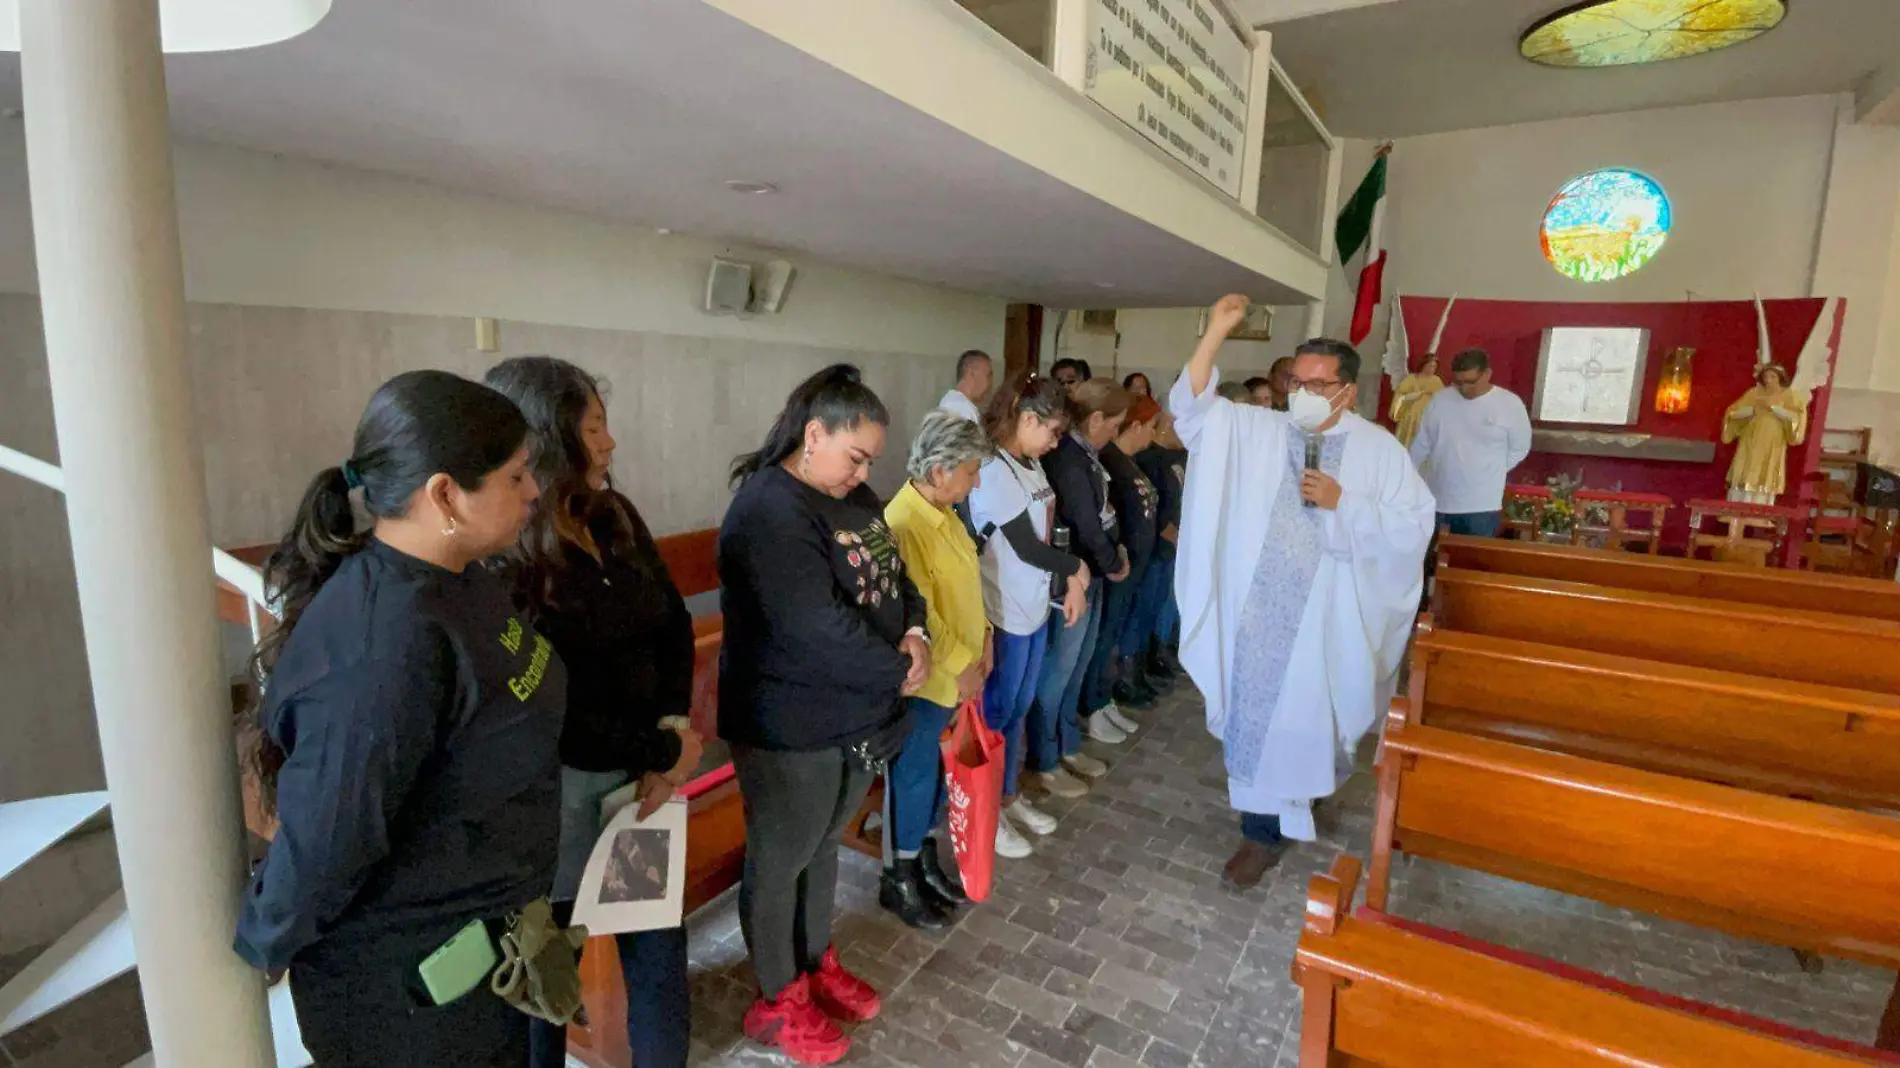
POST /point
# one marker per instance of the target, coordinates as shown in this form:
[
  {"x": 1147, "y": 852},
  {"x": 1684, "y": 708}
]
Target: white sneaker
[
  {"x": 1010, "y": 843},
  {"x": 1083, "y": 766},
  {"x": 1119, "y": 718},
  {"x": 1033, "y": 819},
  {"x": 1101, "y": 730}
]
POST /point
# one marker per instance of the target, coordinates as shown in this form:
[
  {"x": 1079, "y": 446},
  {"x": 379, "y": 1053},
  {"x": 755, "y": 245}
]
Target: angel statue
[
  {"x": 1765, "y": 421},
  {"x": 1411, "y": 396}
]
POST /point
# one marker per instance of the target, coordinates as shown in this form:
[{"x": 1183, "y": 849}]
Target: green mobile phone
[{"x": 460, "y": 964}]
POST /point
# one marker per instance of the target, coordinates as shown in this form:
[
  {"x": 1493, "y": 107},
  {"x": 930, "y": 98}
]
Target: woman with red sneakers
[{"x": 824, "y": 636}]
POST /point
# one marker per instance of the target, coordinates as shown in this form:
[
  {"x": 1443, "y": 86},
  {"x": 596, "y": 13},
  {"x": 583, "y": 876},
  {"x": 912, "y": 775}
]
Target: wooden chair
[
  {"x": 1773, "y": 587},
  {"x": 1771, "y": 736},
  {"x": 1380, "y": 991},
  {"x": 1745, "y": 533},
  {"x": 1524, "y": 506},
  {"x": 1613, "y": 530},
  {"x": 1785, "y": 872},
  {"x": 1779, "y": 643}
]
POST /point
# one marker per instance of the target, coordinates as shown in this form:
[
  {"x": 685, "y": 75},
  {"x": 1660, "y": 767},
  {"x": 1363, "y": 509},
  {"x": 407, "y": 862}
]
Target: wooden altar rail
[
  {"x": 1791, "y": 873},
  {"x": 1391, "y": 994},
  {"x": 1776, "y": 643},
  {"x": 1774, "y": 587},
  {"x": 1770, "y": 736}
]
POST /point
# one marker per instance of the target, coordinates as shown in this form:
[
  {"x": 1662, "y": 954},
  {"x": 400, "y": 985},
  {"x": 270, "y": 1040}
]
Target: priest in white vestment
[{"x": 1297, "y": 587}]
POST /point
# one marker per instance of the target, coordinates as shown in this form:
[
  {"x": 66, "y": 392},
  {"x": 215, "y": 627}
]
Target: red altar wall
[{"x": 1723, "y": 333}]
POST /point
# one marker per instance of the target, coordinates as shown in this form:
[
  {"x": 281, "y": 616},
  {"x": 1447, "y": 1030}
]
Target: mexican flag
[{"x": 1358, "y": 228}]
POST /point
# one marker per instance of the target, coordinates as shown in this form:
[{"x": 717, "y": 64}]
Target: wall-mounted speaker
[
  {"x": 769, "y": 295},
  {"x": 728, "y": 287}
]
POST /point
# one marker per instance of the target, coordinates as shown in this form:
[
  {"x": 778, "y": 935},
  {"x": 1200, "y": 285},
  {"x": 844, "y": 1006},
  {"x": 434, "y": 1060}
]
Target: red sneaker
[
  {"x": 842, "y": 995},
  {"x": 795, "y": 1026}
]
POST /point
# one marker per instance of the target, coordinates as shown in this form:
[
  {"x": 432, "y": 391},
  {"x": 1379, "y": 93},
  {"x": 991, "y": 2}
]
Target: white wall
[{"x": 1747, "y": 181}]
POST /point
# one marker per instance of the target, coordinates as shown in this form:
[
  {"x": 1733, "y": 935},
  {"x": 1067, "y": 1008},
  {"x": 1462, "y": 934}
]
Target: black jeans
[
  {"x": 363, "y": 1005},
  {"x": 659, "y": 1005},
  {"x": 796, "y": 807}
]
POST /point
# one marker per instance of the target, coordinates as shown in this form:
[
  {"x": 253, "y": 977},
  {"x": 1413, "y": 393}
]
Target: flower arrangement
[{"x": 1560, "y": 514}]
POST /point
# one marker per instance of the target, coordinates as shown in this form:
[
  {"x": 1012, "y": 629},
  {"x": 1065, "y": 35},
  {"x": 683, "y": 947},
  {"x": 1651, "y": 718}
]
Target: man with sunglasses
[{"x": 1298, "y": 572}]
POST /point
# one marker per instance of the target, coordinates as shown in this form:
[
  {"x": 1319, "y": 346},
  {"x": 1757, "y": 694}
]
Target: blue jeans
[
  {"x": 1009, "y": 691},
  {"x": 1476, "y": 524},
  {"x": 1255, "y": 827},
  {"x": 913, "y": 788},
  {"x": 1168, "y": 612},
  {"x": 1157, "y": 591},
  {"x": 1117, "y": 605},
  {"x": 1054, "y": 729},
  {"x": 653, "y": 963}
]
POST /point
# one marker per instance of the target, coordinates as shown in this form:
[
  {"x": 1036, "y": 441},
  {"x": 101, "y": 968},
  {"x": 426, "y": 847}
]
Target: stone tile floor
[{"x": 1115, "y": 945}]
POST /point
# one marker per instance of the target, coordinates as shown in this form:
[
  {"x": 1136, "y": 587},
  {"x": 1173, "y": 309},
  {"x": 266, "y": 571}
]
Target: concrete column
[{"x": 112, "y": 294}]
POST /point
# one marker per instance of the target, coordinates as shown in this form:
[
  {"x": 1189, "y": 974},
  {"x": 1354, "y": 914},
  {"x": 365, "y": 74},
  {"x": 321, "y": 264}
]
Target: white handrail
[
  {"x": 246, "y": 579},
  {"x": 32, "y": 467}
]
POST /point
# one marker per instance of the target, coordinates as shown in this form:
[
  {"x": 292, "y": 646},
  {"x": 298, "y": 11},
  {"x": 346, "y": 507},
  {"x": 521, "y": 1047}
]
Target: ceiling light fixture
[
  {"x": 1105, "y": 285},
  {"x": 752, "y": 188},
  {"x": 1620, "y": 33}
]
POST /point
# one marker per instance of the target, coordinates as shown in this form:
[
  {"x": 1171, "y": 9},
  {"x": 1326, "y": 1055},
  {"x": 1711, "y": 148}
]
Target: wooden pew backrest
[
  {"x": 1741, "y": 583},
  {"x": 1782, "y": 643},
  {"x": 1786, "y": 872},
  {"x": 1374, "y": 994},
  {"x": 692, "y": 559},
  {"x": 1769, "y": 735}
]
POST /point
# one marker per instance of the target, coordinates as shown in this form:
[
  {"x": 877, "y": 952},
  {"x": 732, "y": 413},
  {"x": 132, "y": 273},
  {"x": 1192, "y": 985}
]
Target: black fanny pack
[{"x": 875, "y": 753}]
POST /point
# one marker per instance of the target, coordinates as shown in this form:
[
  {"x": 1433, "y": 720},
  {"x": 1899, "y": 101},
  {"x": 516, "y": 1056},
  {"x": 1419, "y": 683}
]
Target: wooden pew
[
  {"x": 1782, "y": 643},
  {"x": 1768, "y": 735},
  {"x": 1774, "y": 587},
  {"x": 1785, "y": 872},
  {"x": 1380, "y": 992}
]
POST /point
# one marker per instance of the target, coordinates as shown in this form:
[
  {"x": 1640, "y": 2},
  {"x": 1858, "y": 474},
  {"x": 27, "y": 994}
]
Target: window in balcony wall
[{"x": 1293, "y": 168}]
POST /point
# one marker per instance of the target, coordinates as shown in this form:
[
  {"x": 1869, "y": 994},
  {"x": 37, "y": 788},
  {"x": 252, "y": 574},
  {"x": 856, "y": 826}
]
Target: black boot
[
  {"x": 1145, "y": 679},
  {"x": 901, "y": 891},
  {"x": 1127, "y": 690},
  {"x": 1159, "y": 669},
  {"x": 939, "y": 884},
  {"x": 1168, "y": 654}
]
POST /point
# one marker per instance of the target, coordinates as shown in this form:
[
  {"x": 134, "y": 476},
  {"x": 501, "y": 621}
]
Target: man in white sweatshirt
[{"x": 1468, "y": 442}]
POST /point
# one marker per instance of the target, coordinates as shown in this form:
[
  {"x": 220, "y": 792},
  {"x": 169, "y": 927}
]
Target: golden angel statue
[
  {"x": 1765, "y": 421},
  {"x": 1411, "y": 396}
]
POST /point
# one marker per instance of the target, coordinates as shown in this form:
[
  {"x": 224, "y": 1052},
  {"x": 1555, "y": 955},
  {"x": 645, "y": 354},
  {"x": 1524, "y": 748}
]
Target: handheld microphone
[{"x": 1312, "y": 462}]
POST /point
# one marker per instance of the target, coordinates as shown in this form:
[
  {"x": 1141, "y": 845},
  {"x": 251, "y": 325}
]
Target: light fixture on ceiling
[
  {"x": 207, "y": 25},
  {"x": 1620, "y": 33},
  {"x": 1105, "y": 285},
  {"x": 752, "y": 188}
]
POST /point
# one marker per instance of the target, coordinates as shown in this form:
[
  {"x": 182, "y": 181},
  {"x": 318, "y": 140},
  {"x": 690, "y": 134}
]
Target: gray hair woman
[{"x": 940, "y": 558}]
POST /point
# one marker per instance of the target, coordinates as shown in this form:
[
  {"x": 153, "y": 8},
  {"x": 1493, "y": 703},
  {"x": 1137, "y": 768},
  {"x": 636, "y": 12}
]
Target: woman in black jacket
[
  {"x": 1084, "y": 511},
  {"x": 1136, "y": 503},
  {"x": 406, "y": 738},
  {"x": 592, "y": 578},
  {"x": 824, "y": 633}
]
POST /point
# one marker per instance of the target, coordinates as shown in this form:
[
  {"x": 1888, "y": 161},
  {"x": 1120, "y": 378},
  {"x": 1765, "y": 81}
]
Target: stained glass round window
[{"x": 1606, "y": 224}]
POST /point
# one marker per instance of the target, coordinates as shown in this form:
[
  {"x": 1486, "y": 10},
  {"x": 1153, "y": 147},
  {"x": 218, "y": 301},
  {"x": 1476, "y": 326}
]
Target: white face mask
[{"x": 1309, "y": 410}]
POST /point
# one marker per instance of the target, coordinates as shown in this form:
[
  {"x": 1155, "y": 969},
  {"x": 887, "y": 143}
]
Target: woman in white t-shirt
[{"x": 1023, "y": 576}]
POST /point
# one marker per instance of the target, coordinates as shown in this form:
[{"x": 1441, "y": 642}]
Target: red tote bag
[{"x": 973, "y": 756}]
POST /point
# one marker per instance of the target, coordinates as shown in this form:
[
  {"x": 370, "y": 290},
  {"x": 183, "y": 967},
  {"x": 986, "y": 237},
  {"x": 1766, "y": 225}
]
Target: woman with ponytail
[
  {"x": 594, "y": 581},
  {"x": 824, "y": 635},
  {"x": 405, "y": 738}
]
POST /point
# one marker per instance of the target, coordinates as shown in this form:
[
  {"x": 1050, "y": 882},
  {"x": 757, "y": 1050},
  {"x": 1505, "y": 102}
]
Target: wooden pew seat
[
  {"x": 1775, "y": 587},
  {"x": 1380, "y": 991},
  {"x": 1781, "y": 871},
  {"x": 1782, "y": 643},
  {"x": 1768, "y": 735}
]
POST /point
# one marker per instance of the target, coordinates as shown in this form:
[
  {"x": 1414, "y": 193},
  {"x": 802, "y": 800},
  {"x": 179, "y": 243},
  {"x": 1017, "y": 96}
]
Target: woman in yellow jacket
[{"x": 940, "y": 558}]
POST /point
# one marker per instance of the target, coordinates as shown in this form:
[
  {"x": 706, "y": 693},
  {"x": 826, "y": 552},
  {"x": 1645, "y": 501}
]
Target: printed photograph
[{"x": 637, "y": 870}]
